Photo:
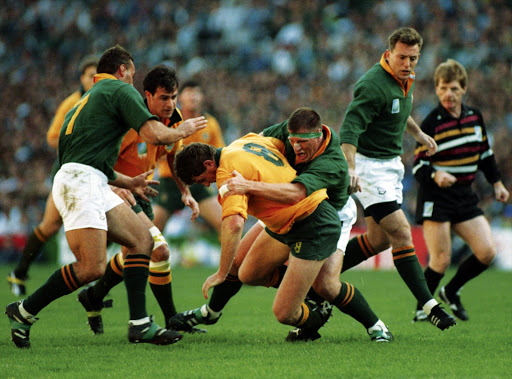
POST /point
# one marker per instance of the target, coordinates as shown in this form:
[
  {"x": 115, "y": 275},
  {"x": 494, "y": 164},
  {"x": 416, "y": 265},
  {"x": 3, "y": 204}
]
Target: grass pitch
[{"x": 248, "y": 342}]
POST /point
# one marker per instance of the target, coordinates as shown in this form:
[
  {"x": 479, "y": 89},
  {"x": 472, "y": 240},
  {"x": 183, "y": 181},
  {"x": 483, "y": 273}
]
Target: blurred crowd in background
[{"x": 257, "y": 60}]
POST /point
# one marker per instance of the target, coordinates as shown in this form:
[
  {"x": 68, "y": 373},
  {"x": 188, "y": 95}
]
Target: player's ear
[
  {"x": 122, "y": 70},
  {"x": 209, "y": 163}
]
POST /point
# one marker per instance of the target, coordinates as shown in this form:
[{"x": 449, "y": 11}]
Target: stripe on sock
[
  {"x": 349, "y": 288},
  {"x": 403, "y": 252},
  {"x": 136, "y": 260},
  {"x": 68, "y": 274},
  {"x": 304, "y": 315},
  {"x": 365, "y": 245},
  {"x": 160, "y": 272},
  {"x": 117, "y": 264},
  {"x": 40, "y": 235}
]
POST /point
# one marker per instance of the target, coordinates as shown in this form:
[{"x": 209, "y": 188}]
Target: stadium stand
[{"x": 258, "y": 60}]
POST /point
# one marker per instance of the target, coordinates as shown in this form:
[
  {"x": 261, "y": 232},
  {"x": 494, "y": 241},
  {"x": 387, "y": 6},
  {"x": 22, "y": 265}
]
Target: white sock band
[
  {"x": 160, "y": 266},
  {"x": 24, "y": 312},
  {"x": 158, "y": 238},
  {"x": 427, "y": 307},
  {"x": 140, "y": 321}
]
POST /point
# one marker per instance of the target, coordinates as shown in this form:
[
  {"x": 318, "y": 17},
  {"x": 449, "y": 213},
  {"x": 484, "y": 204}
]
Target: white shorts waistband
[{"x": 84, "y": 167}]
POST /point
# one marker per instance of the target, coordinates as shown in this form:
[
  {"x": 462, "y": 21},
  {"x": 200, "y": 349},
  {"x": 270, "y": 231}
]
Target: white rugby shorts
[
  {"x": 381, "y": 180},
  {"x": 83, "y": 197},
  {"x": 348, "y": 215}
]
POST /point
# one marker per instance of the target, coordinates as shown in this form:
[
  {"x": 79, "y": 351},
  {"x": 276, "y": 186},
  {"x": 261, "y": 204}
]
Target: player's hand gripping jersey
[{"x": 256, "y": 158}]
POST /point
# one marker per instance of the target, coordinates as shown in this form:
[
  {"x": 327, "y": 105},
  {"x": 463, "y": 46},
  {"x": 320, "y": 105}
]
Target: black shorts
[{"x": 455, "y": 204}]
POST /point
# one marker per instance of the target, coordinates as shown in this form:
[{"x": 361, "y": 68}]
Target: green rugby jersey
[
  {"x": 376, "y": 118},
  {"x": 94, "y": 128},
  {"x": 328, "y": 169}
]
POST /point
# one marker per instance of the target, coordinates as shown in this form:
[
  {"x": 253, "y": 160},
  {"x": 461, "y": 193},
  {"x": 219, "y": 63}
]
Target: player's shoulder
[
  {"x": 210, "y": 117},
  {"x": 373, "y": 84},
  {"x": 114, "y": 86},
  {"x": 74, "y": 97},
  {"x": 279, "y": 130},
  {"x": 376, "y": 72},
  {"x": 471, "y": 111}
]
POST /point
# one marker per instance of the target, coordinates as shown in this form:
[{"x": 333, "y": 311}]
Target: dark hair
[
  {"x": 189, "y": 162},
  {"x": 113, "y": 58},
  {"x": 304, "y": 118},
  {"x": 449, "y": 71},
  {"x": 191, "y": 83},
  {"x": 160, "y": 76},
  {"x": 406, "y": 35},
  {"x": 85, "y": 63}
]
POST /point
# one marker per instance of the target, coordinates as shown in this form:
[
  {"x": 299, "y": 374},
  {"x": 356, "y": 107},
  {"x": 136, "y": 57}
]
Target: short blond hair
[{"x": 449, "y": 71}]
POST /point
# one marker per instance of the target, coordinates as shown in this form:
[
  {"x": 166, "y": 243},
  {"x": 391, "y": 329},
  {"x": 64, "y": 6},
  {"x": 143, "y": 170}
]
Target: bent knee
[
  {"x": 49, "y": 229},
  {"x": 401, "y": 237},
  {"x": 327, "y": 289},
  {"x": 92, "y": 272},
  {"x": 160, "y": 254},
  {"x": 486, "y": 257},
  {"x": 145, "y": 244},
  {"x": 284, "y": 316},
  {"x": 247, "y": 277},
  {"x": 378, "y": 243},
  {"x": 440, "y": 262}
]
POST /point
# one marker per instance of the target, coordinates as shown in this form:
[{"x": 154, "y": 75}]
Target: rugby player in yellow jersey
[
  {"x": 136, "y": 157},
  {"x": 51, "y": 222},
  {"x": 309, "y": 228},
  {"x": 313, "y": 150}
]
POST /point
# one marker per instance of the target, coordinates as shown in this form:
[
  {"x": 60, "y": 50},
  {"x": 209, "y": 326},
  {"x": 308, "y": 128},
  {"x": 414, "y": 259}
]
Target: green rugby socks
[
  {"x": 135, "y": 273},
  {"x": 409, "y": 268},
  {"x": 61, "y": 282}
]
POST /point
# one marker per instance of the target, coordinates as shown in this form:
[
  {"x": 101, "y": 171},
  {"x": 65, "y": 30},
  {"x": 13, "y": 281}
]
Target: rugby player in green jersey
[
  {"x": 371, "y": 137},
  {"x": 313, "y": 150},
  {"x": 92, "y": 213},
  {"x": 51, "y": 222}
]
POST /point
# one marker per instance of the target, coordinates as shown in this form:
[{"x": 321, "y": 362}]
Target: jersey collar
[
  {"x": 102, "y": 76},
  {"x": 218, "y": 152},
  {"x": 410, "y": 80},
  {"x": 175, "y": 117}
]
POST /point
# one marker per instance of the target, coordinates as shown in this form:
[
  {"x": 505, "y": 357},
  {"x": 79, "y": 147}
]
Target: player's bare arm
[
  {"x": 350, "y": 153},
  {"x": 156, "y": 133},
  {"x": 444, "y": 179},
  {"x": 231, "y": 234},
  {"x": 501, "y": 192},
  {"x": 421, "y": 137},
  {"x": 186, "y": 195},
  {"x": 284, "y": 193}
]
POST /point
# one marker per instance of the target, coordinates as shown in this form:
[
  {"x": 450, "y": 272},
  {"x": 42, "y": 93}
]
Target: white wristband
[{"x": 223, "y": 189}]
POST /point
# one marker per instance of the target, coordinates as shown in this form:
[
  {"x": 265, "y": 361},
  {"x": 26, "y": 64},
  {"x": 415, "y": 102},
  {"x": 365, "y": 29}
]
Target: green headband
[{"x": 306, "y": 135}]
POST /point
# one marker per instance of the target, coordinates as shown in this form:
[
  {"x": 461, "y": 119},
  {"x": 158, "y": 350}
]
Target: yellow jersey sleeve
[
  {"x": 60, "y": 114},
  {"x": 256, "y": 158}
]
